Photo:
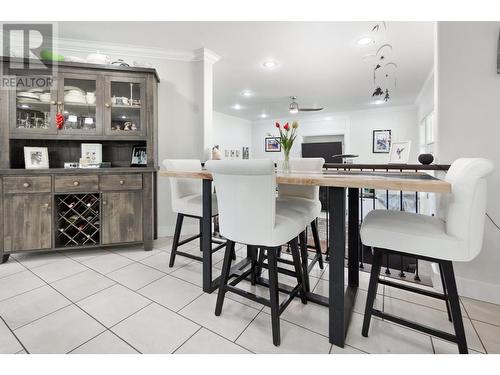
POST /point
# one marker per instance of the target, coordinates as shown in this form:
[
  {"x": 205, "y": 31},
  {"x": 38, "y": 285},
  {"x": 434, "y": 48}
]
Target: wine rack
[{"x": 78, "y": 220}]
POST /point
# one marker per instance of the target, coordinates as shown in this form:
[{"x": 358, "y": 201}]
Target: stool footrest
[
  {"x": 424, "y": 292},
  {"x": 419, "y": 327},
  {"x": 192, "y": 238}
]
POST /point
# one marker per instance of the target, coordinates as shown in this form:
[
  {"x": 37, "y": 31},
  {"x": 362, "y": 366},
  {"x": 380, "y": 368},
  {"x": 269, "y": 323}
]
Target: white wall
[
  {"x": 468, "y": 114},
  {"x": 356, "y": 126},
  {"x": 231, "y": 133},
  {"x": 425, "y": 99}
]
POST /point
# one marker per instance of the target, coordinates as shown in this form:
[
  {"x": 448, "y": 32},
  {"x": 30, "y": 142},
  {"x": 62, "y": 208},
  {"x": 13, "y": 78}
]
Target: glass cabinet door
[
  {"x": 35, "y": 110},
  {"x": 80, "y": 101},
  {"x": 125, "y": 103}
]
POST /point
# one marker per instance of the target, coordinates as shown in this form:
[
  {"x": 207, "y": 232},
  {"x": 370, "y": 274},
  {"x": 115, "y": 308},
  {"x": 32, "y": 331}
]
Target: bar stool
[
  {"x": 306, "y": 200},
  {"x": 248, "y": 214},
  {"x": 455, "y": 236},
  {"x": 186, "y": 199}
]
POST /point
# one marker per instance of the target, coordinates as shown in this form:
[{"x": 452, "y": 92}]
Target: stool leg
[
  {"x": 272, "y": 254},
  {"x": 445, "y": 293},
  {"x": 253, "y": 255},
  {"x": 317, "y": 243},
  {"x": 260, "y": 261},
  {"x": 305, "y": 260},
  {"x": 456, "y": 313},
  {"x": 201, "y": 230},
  {"x": 294, "y": 246},
  {"x": 224, "y": 277},
  {"x": 372, "y": 290},
  {"x": 175, "y": 243}
]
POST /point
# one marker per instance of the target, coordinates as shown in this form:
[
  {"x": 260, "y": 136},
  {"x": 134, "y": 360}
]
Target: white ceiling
[{"x": 319, "y": 62}]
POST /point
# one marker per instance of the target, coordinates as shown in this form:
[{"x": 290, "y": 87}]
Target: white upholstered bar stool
[
  {"x": 455, "y": 236},
  {"x": 248, "y": 214},
  {"x": 186, "y": 199},
  {"x": 306, "y": 200}
]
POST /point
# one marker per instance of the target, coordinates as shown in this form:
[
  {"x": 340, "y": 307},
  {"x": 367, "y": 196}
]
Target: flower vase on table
[{"x": 285, "y": 139}]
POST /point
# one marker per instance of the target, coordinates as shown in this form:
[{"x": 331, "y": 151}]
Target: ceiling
[{"x": 319, "y": 62}]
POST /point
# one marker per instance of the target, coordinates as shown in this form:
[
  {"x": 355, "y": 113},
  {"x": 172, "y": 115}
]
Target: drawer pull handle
[
  {"x": 122, "y": 182},
  {"x": 26, "y": 185},
  {"x": 76, "y": 183}
]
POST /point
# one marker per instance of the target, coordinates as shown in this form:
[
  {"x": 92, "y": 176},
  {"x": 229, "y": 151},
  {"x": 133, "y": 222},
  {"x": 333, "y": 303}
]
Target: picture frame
[
  {"x": 245, "y": 152},
  {"x": 36, "y": 158},
  {"x": 139, "y": 156},
  {"x": 399, "y": 152},
  {"x": 381, "y": 141},
  {"x": 272, "y": 145},
  {"x": 91, "y": 153}
]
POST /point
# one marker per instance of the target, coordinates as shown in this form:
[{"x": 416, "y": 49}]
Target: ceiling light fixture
[
  {"x": 364, "y": 41},
  {"x": 237, "y": 107},
  {"x": 378, "y": 102},
  {"x": 263, "y": 115},
  {"x": 247, "y": 93},
  {"x": 269, "y": 64}
]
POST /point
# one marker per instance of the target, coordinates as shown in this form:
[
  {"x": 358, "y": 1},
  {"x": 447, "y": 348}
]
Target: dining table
[{"x": 343, "y": 188}]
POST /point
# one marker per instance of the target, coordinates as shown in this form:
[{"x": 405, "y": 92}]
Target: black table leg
[
  {"x": 206, "y": 236},
  {"x": 336, "y": 211},
  {"x": 353, "y": 231}
]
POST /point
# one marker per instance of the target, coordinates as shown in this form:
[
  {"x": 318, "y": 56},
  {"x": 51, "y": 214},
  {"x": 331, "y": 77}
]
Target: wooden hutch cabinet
[{"x": 58, "y": 208}]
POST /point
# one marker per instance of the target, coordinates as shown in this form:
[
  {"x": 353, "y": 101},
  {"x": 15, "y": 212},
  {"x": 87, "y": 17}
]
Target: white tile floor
[{"x": 128, "y": 301}]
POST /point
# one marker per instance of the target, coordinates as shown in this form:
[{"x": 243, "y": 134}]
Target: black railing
[{"x": 390, "y": 200}]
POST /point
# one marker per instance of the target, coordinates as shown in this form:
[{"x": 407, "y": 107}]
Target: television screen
[{"x": 323, "y": 150}]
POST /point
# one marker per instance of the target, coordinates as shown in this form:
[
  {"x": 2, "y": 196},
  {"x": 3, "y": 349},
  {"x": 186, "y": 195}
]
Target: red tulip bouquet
[{"x": 286, "y": 138}]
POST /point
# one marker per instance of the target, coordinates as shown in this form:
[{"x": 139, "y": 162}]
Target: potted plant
[{"x": 286, "y": 138}]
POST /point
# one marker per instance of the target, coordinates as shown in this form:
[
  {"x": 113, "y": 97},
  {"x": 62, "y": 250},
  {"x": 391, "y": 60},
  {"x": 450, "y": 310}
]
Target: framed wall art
[{"x": 381, "y": 142}]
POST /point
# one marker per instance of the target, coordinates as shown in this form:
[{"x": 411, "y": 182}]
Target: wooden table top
[{"x": 405, "y": 181}]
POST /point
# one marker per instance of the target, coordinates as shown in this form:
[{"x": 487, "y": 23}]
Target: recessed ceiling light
[
  {"x": 124, "y": 117},
  {"x": 247, "y": 93},
  {"x": 24, "y": 106},
  {"x": 364, "y": 41},
  {"x": 270, "y": 64},
  {"x": 263, "y": 115},
  {"x": 378, "y": 102},
  {"x": 237, "y": 107}
]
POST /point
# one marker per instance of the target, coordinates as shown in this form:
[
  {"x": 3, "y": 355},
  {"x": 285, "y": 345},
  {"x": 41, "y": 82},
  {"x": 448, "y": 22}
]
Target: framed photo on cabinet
[{"x": 36, "y": 158}]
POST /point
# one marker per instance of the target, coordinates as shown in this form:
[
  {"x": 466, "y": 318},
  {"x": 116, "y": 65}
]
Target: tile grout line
[
  {"x": 99, "y": 334},
  {"x": 189, "y": 338},
  {"x": 15, "y": 336}
]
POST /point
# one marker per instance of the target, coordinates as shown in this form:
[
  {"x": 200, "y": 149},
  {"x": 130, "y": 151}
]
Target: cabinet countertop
[{"x": 20, "y": 171}]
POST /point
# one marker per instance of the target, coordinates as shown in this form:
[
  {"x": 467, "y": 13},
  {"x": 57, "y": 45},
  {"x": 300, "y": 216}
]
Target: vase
[{"x": 285, "y": 167}]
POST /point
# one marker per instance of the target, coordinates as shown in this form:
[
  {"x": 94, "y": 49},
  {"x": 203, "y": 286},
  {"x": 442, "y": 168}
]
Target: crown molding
[
  {"x": 204, "y": 54},
  {"x": 125, "y": 50}
]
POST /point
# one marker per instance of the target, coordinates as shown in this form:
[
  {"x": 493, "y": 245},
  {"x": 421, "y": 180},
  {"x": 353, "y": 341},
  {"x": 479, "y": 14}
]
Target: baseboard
[
  {"x": 470, "y": 288},
  {"x": 187, "y": 229},
  {"x": 478, "y": 290}
]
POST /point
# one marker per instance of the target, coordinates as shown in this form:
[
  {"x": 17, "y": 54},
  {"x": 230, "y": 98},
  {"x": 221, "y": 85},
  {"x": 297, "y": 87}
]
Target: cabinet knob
[
  {"x": 122, "y": 182},
  {"x": 107, "y": 105},
  {"x": 59, "y": 103},
  {"x": 46, "y": 205},
  {"x": 76, "y": 183},
  {"x": 53, "y": 102},
  {"x": 26, "y": 185},
  {"x": 104, "y": 203}
]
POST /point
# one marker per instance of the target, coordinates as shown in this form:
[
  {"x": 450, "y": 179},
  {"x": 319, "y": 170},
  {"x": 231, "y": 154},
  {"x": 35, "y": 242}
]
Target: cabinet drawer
[
  {"x": 76, "y": 183},
  {"x": 27, "y": 184},
  {"x": 121, "y": 182}
]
